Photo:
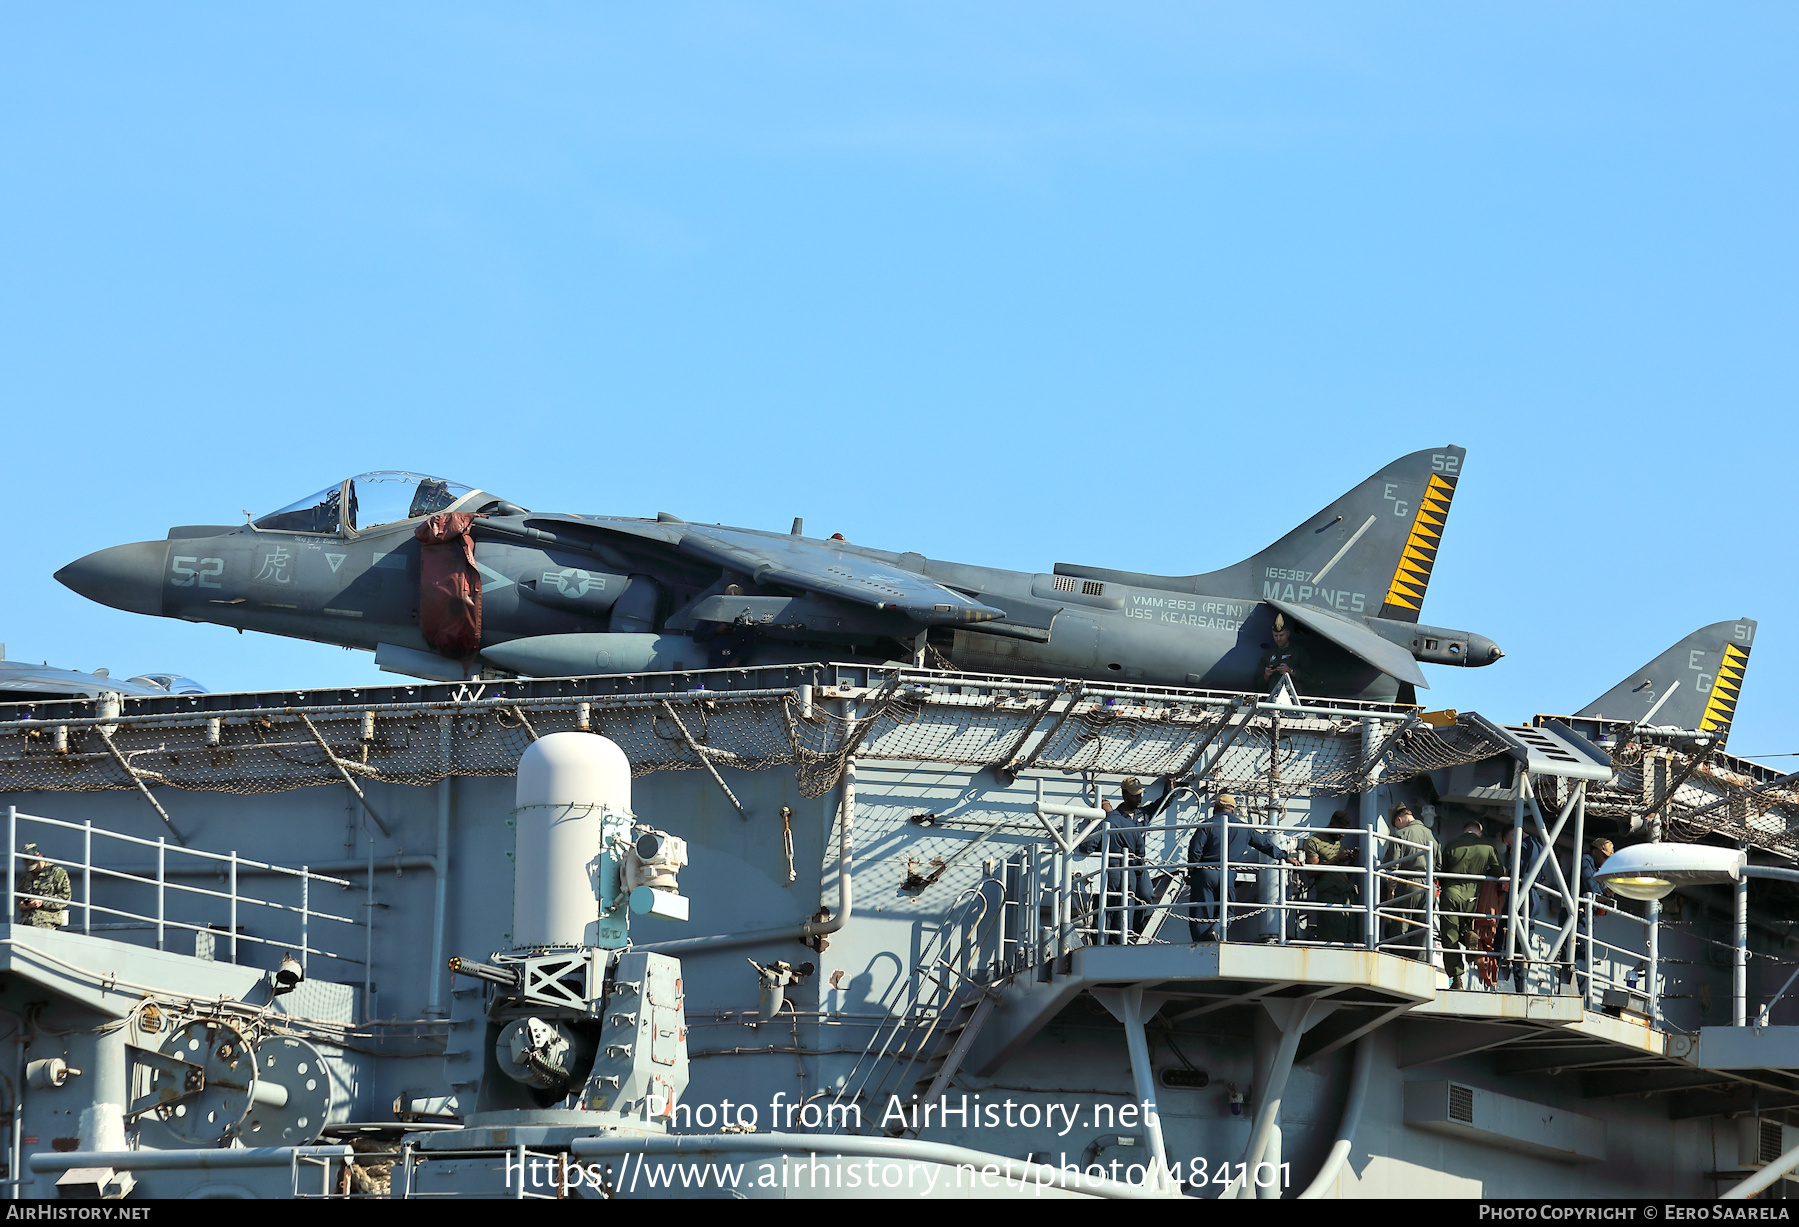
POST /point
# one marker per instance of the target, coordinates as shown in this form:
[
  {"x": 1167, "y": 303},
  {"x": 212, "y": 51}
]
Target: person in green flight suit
[
  {"x": 1340, "y": 890},
  {"x": 1285, "y": 659},
  {"x": 1470, "y": 853},
  {"x": 1408, "y": 896},
  {"x": 48, "y": 882}
]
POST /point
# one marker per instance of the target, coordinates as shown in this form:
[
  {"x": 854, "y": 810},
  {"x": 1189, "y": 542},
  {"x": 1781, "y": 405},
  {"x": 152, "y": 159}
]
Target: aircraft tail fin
[
  {"x": 1369, "y": 552},
  {"x": 1693, "y": 685}
]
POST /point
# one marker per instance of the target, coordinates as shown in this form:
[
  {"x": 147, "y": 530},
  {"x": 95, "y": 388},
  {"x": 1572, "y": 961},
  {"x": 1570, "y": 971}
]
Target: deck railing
[
  {"x": 104, "y": 890},
  {"x": 1136, "y": 886}
]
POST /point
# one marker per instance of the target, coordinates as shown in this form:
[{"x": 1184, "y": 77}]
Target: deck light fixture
[{"x": 1651, "y": 871}]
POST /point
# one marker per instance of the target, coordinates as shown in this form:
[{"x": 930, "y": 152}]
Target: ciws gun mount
[{"x": 570, "y": 1029}]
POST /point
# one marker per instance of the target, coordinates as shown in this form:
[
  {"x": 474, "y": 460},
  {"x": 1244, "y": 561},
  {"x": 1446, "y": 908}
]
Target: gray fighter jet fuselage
[
  {"x": 563, "y": 594},
  {"x": 23, "y": 682}
]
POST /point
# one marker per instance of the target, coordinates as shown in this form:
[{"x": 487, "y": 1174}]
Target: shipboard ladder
[{"x": 921, "y": 1044}]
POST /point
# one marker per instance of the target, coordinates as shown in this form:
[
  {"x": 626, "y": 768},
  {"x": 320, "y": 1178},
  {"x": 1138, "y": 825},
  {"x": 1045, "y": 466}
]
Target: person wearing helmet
[
  {"x": 43, "y": 891},
  {"x": 1284, "y": 658}
]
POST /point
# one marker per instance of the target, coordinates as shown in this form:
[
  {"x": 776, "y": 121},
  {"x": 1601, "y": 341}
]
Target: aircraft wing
[
  {"x": 1357, "y": 640},
  {"x": 20, "y": 679},
  {"x": 796, "y": 562}
]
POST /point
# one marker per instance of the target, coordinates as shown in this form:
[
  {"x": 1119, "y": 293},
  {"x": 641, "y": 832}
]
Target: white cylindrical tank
[{"x": 565, "y": 780}]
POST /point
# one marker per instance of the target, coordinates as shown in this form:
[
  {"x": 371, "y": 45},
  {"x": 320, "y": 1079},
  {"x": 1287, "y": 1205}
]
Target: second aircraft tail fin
[{"x": 1693, "y": 685}]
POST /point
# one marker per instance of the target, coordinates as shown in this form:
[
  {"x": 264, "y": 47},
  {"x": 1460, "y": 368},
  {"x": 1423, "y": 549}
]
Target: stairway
[
  {"x": 939, "y": 1068},
  {"x": 917, "y": 1050}
]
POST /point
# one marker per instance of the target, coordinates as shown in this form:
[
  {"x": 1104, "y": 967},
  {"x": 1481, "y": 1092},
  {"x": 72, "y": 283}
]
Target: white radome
[{"x": 565, "y": 780}]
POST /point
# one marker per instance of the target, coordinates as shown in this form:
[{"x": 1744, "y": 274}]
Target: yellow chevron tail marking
[
  {"x": 1419, "y": 556},
  {"x": 1721, "y": 704}
]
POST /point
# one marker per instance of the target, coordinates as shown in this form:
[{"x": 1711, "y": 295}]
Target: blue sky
[{"x": 1139, "y": 286}]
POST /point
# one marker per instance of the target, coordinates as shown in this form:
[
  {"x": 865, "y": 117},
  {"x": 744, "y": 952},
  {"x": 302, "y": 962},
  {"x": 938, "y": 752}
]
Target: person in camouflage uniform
[
  {"x": 1470, "y": 853},
  {"x": 47, "y": 881},
  {"x": 1340, "y": 890}
]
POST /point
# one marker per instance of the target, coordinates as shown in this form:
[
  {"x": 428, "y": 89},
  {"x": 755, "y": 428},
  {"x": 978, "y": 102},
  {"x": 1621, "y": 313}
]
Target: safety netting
[
  {"x": 259, "y": 749},
  {"x": 1687, "y": 793}
]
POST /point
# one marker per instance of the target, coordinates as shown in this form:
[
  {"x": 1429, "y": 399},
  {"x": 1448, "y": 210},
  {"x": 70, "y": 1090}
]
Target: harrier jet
[
  {"x": 445, "y": 581},
  {"x": 22, "y": 682}
]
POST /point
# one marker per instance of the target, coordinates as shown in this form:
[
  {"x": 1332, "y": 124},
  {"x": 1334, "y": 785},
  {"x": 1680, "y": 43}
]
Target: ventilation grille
[
  {"x": 1185, "y": 1077},
  {"x": 1089, "y": 588},
  {"x": 1064, "y": 584},
  {"x": 1767, "y": 1148},
  {"x": 1461, "y": 1103}
]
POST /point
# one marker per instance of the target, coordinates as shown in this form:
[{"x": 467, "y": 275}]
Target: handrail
[
  {"x": 201, "y": 890},
  {"x": 233, "y": 898},
  {"x": 244, "y": 715},
  {"x": 194, "y": 852},
  {"x": 1112, "y": 904},
  {"x": 900, "y": 1039}
]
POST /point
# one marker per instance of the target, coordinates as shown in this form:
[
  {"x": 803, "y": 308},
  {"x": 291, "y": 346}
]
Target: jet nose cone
[{"x": 128, "y": 577}]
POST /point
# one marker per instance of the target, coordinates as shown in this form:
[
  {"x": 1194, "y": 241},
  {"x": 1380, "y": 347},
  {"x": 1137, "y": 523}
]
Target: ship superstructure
[{"x": 916, "y": 944}]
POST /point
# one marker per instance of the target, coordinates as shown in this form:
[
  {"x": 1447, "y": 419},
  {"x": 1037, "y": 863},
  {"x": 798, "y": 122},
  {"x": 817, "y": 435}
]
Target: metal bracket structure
[
  {"x": 1518, "y": 904},
  {"x": 1371, "y": 769},
  {"x": 1577, "y": 806},
  {"x": 1293, "y": 1017},
  {"x": 1066, "y": 840},
  {"x": 877, "y": 706},
  {"x": 545, "y": 979},
  {"x": 343, "y": 769},
  {"x": 1133, "y": 1007},
  {"x": 1014, "y": 766},
  {"x": 791, "y": 727},
  {"x": 518, "y": 713},
  {"x": 137, "y": 778},
  {"x": 1246, "y": 709},
  {"x": 704, "y": 754},
  {"x": 192, "y": 1076}
]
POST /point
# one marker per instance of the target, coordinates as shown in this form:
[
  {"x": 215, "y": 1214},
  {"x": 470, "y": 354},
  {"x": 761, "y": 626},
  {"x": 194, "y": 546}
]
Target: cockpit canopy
[
  {"x": 367, "y": 501},
  {"x": 174, "y": 683}
]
